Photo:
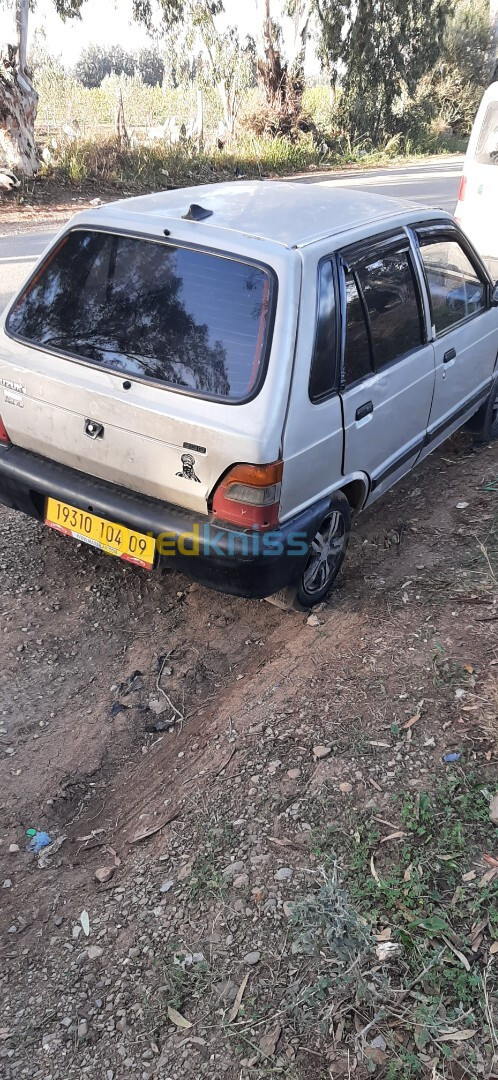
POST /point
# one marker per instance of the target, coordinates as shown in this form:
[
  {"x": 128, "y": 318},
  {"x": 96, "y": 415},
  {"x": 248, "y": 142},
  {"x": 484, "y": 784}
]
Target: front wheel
[{"x": 326, "y": 553}]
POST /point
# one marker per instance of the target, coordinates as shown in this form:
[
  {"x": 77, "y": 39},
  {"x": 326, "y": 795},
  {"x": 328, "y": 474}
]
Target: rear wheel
[
  {"x": 326, "y": 553},
  {"x": 485, "y": 422}
]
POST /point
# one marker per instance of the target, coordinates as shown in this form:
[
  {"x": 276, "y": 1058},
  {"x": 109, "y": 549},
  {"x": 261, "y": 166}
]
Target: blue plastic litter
[
  {"x": 38, "y": 841},
  {"x": 451, "y": 757}
]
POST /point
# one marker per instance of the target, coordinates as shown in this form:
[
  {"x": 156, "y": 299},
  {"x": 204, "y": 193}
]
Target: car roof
[{"x": 292, "y": 214}]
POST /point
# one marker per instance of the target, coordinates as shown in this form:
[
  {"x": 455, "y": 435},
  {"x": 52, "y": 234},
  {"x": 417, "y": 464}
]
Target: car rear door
[
  {"x": 387, "y": 362},
  {"x": 464, "y": 327},
  {"x": 476, "y": 207}
]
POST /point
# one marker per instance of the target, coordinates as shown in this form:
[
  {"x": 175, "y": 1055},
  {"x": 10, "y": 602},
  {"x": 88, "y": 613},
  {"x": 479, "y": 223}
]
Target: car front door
[
  {"x": 387, "y": 362},
  {"x": 464, "y": 328}
]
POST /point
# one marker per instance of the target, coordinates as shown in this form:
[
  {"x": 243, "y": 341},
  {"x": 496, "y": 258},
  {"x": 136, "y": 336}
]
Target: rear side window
[
  {"x": 323, "y": 365},
  {"x": 487, "y": 143},
  {"x": 186, "y": 318},
  {"x": 391, "y": 298},
  {"x": 357, "y": 360}
]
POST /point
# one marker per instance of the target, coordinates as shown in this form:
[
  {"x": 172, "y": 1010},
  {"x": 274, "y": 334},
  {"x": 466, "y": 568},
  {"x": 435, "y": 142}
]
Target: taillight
[
  {"x": 249, "y": 495},
  {"x": 4, "y": 438},
  {"x": 462, "y": 189}
]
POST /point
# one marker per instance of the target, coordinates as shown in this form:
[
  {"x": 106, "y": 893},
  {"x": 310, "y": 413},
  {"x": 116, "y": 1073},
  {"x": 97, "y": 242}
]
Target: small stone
[
  {"x": 158, "y": 706},
  {"x": 288, "y": 909},
  {"x": 66, "y": 1022},
  {"x": 346, "y": 788},
  {"x": 93, "y": 952},
  {"x": 241, "y": 881},
  {"x": 13, "y": 849},
  {"x": 294, "y": 774},
  {"x": 104, "y": 873},
  {"x": 167, "y": 885},
  {"x": 252, "y": 958},
  {"x": 82, "y": 1029},
  {"x": 284, "y": 874},
  {"x": 232, "y": 869},
  {"x": 7, "y": 884},
  {"x": 321, "y": 752},
  {"x": 313, "y": 620}
]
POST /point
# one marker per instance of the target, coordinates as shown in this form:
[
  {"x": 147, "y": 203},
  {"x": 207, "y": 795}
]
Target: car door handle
[
  {"x": 364, "y": 410},
  {"x": 450, "y": 355}
]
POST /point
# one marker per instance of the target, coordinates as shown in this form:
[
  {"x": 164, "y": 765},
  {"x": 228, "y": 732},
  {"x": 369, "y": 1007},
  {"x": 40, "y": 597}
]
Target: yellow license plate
[{"x": 114, "y": 539}]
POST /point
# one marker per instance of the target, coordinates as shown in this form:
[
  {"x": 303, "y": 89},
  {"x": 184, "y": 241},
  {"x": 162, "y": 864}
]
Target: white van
[
  {"x": 477, "y": 206},
  {"x": 217, "y": 378}
]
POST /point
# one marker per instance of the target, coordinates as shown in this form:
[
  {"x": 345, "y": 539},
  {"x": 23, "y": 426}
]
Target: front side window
[
  {"x": 357, "y": 360},
  {"x": 456, "y": 291},
  {"x": 185, "y": 318},
  {"x": 391, "y": 298}
]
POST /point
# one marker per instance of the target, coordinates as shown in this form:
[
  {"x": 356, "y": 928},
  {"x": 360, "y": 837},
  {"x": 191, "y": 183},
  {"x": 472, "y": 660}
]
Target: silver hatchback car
[{"x": 217, "y": 378}]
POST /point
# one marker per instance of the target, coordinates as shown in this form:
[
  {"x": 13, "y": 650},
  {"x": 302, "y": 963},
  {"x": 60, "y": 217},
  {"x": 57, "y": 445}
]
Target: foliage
[
  {"x": 450, "y": 93},
  {"x": 95, "y": 63},
  {"x": 149, "y": 65},
  {"x": 399, "y": 77},
  {"x": 222, "y": 59},
  {"x": 384, "y": 48}
]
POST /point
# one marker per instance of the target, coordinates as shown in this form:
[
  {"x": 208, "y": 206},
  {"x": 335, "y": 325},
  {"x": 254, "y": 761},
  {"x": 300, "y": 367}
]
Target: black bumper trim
[{"x": 216, "y": 555}]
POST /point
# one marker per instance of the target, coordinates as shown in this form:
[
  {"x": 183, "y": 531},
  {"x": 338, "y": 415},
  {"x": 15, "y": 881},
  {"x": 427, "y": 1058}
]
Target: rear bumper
[{"x": 247, "y": 563}]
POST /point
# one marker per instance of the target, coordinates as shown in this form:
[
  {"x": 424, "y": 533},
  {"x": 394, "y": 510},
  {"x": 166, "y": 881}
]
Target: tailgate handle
[
  {"x": 364, "y": 410},
  {"x": 450, "y": 355}
]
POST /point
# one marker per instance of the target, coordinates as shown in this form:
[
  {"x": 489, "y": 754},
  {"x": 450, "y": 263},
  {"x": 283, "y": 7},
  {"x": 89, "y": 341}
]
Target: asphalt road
[
  {"x": 18, "y": 252},
  {"x": 433, "y": 183}
]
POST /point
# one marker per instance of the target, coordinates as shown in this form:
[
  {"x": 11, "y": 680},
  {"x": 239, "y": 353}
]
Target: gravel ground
[{"x": 190, "y": 754}]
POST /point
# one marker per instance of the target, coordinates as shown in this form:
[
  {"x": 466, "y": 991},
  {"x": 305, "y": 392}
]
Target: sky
[{"x": 106, "y": 22}]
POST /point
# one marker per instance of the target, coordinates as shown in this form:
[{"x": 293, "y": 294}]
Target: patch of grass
[
  {"x": 102, "y": 161},
  {"x": 206, "y": 877},
  {"x": 413, "y": 885},
  {"x": 177, "y": 976},
  {"x": 447, "y": 672}
]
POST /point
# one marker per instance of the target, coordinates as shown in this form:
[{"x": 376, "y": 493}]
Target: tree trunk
[
  {"x": 493, "y": 15},
  {"x": 18, "y": 103},
  {"x": 121, "y": 132}
]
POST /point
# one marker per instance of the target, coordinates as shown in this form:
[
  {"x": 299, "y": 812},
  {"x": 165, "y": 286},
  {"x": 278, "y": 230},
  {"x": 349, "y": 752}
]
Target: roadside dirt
[{"x": 213, "y": 829}]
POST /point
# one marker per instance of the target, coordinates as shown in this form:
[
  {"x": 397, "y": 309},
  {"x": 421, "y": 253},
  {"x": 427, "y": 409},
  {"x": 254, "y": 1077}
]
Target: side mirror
[{"x": 494, "y": 294}]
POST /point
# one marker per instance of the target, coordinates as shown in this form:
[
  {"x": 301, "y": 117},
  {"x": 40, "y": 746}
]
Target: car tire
[
  {"x": 326, "y": 553},
  {"x": 485, "y": 422}
]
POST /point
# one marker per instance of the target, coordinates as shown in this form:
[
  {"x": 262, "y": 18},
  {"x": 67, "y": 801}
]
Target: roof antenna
[{"x": 196, "y": 213}]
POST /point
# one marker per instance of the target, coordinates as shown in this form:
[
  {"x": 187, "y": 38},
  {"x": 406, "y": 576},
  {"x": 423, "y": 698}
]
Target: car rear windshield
[
  {"x": 147, "y": 309},
  {"x": 487, "y": 143}
]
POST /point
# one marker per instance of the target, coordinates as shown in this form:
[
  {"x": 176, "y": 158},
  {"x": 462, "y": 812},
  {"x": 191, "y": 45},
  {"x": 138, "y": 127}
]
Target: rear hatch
[
  {"x": 478, "y": 195},
  {"x": 139, "y": 361}
]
